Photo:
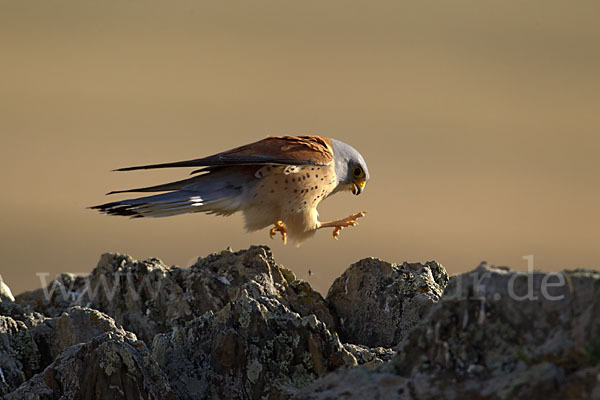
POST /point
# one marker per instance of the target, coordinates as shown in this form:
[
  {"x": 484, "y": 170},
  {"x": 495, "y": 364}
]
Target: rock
[
  {"x": 302, "y": 298},
  {"x": 77, "y": 325},
  {"x": 252, "y": 348},
  {"x": 139, "y": 295},
  {"x": 19, "y": 355},
  {"x": 378, "y": 303},
  {"x": 29, "y": 346},
  {"x": 486, "y": 318},
  {"x": 81, "y": 353},
  {"x": 5, "y": 293},
  {"x": 61, "y": 294},
  {"x": 357, "y": 383},
  {"x": 148, "y": 297},
  {"x": 214, "y": 281},
  {"x": 111, "y": 366},
  {"x": 494, "y": 334},
  {"x": 369, "y": 357},
  {"x": 238, "y": 325}
]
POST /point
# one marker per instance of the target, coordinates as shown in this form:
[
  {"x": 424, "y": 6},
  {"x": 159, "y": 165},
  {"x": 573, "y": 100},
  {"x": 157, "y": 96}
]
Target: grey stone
[
  {"x": 5, "y": 293},
  {"x": 109, "y": 366},
  {"x": 158, "y": 302},
  {"x": 358, "y": 383},
  {"x": 77, "y": 325},
  {"x": 252, "y": 348},
  {"x": 378, "y": 303},
  {"x": 238, "y": 325},
  {"x": 139, "y": 295},
  {"x": 494, "y": 334},
  {"x": 19, "y": 355},
  {"x": 30, "y": 345},
  {"x": 369, "y": 357},
  {"x": 148, "y": 297},
  {"x": 214, "y": 281}
]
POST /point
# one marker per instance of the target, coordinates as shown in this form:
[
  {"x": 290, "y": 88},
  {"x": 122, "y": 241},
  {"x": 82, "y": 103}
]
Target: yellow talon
[
  {"x": 343, "y": 223},
  {"x": 336, "y": 232},
  {"x": 279, "y": 227}
]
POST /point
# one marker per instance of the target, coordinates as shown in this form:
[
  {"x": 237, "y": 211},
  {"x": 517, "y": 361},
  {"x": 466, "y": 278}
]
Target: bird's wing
[{"x": 285, "y": 150}]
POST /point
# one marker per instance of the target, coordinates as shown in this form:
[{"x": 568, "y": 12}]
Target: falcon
[{"x": 276, "y": 181}]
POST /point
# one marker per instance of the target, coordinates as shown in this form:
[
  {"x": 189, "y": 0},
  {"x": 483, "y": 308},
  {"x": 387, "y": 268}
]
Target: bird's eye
[{"x": 358, "y": 172}]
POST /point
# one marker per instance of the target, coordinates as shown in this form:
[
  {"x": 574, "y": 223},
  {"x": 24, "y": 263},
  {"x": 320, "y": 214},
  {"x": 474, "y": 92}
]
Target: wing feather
[{"x": 285, "y": 150}]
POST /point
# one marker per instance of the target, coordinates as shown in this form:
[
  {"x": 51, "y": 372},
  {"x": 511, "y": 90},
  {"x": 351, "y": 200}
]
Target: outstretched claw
[
  {"x": 343, "y": 223},
  {"x": 279, "y": 227}
]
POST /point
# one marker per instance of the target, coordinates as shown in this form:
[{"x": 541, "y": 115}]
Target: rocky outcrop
[
  {"x": 109, "y": 366},
  {"x": 378, "y": 302},
  {"x": 251, "y": 348},
  {"x": 44, "y": 357},
  {"x": 147, "y": 297},
  {"x": 495, "y": 334},
  {"x": 19, "y": 358},
  {"x": 238, "y": 325},
  {"x": 232, "y": 325}
]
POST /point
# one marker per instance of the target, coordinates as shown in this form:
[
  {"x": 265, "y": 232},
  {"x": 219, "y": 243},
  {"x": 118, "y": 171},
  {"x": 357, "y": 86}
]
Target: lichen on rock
[
  {"x": 239, "y": 325},
  {"x": 494, "y": 334},
  {"x": 255, "y": 345},
  {"x": 378, "y": 302}
]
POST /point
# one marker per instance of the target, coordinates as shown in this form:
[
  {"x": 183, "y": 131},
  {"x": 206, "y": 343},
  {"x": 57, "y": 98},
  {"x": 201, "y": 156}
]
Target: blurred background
[{"x": 479, "y": 121}]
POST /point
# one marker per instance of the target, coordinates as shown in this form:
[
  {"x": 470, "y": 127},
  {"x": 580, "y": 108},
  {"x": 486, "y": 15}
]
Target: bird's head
[{"x": 350, "y": 167}]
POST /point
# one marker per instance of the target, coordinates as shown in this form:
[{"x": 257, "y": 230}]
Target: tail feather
[
  {"x": 173, "y": 203},
  {"x": 211, "y": 193}
]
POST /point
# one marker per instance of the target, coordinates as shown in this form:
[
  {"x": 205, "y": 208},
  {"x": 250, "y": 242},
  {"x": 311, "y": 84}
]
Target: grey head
[{"x": 350, "y": 167}]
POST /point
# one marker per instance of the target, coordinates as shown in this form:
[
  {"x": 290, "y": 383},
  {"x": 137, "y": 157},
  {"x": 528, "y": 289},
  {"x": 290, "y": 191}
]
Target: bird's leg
[
  {"x": 342, "y": 223},
  {"x": 279, "y": 227}
]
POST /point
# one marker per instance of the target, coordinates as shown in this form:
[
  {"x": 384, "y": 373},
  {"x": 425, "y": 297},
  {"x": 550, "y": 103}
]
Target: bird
[{"x": 278, "y": 181}]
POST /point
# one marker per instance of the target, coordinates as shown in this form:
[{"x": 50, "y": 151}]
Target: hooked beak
[{"x": 358, "y": 187}]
